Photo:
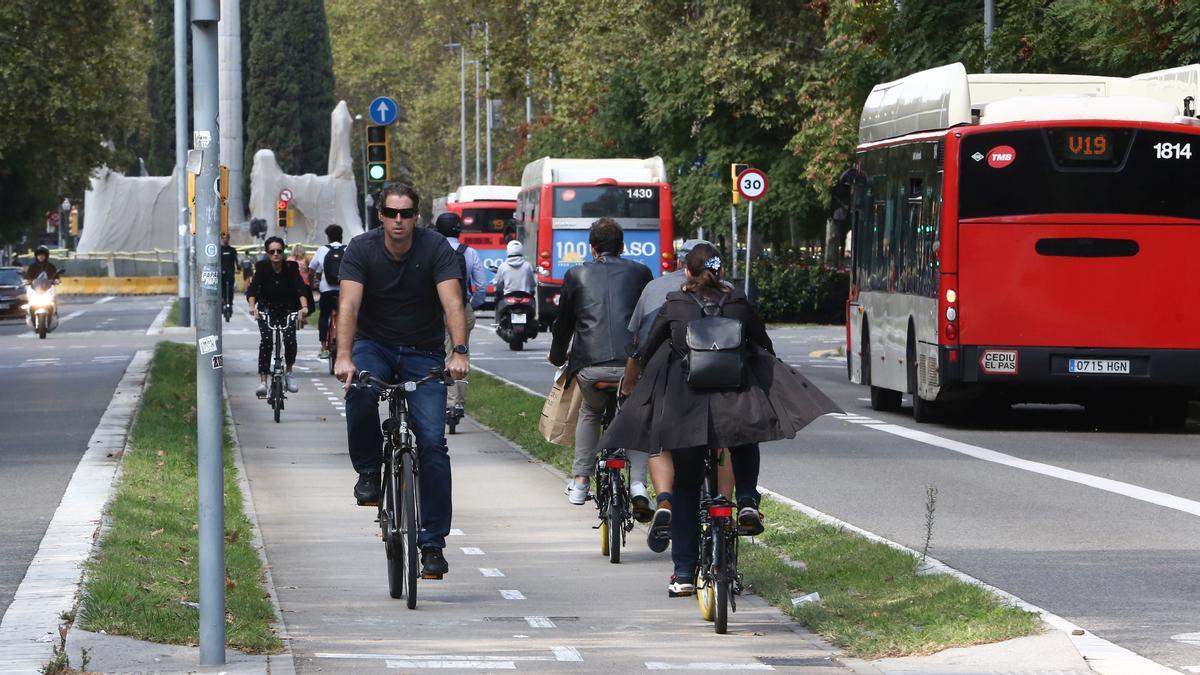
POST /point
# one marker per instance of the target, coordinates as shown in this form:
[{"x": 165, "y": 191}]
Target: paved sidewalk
[{"x": 527, "y": 588}]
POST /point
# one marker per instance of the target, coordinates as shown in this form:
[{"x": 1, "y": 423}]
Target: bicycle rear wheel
[
  {"x": 393, "y": 543},
  {"x": 616, "y": 517},
  {"x": 408, "y": 527},
  {"x": 722, "y": 580},
  {"x": 705, "y": 589}
]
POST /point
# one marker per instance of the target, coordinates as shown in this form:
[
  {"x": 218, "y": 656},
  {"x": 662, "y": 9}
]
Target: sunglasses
[
  {"x": 274, "y": 251},
  {"x": 389, "y": 212}
]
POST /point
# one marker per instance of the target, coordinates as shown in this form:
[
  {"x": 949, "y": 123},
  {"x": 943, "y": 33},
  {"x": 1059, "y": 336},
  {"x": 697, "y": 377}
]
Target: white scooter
[{"x": 41, "y": 309}]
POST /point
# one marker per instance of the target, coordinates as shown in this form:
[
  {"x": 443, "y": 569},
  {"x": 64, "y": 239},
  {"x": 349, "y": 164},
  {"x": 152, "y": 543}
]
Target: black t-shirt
[
  {"x": 277, "y": 292},
  {"x": 400, "y": 305},
  {"x": 228, "y": 260}
]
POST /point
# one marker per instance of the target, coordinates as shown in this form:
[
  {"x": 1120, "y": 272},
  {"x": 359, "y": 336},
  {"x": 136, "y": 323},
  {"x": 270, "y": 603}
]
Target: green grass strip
[
  {"x": 873, "y": 602},
  {"x": 144, "y": 581},
  {"x": 172, "y": 319}
]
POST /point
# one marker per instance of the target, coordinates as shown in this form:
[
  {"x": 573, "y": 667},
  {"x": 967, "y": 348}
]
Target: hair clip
[{"x": 713, "y": 263}]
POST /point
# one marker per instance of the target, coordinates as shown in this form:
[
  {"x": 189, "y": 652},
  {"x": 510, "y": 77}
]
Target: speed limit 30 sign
[{"x": 752, "y": 184}]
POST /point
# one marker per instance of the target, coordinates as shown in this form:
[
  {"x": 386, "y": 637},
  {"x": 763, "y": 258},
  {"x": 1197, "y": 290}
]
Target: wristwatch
[{"x": 460, "y": 349}]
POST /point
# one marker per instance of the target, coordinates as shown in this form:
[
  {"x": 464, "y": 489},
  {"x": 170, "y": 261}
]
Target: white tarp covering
[
  {"x": 316, "y": 200},
  {"x": 126, "y": 213}
]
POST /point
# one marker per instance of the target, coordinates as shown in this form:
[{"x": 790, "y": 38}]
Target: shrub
[{"x": 796, "y": 289}]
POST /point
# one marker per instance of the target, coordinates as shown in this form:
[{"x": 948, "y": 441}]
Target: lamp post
[
  {"x": 63, "y": 214},
  {"x": 487, "y": 89},
  {"x": 475, "y": 62},
  {"x": 462, "y": 109}
]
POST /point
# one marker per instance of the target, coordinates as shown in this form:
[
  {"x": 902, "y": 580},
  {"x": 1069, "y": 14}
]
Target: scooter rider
[
  {"x": 229, "y": 264},
  {"x": 515, "y": 274},
  {"x": 474, "y": 295},
  {"x": 41, "y": 263}
]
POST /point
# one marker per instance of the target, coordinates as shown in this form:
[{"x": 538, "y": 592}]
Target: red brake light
[
  {"x": 720, "y": 511},
  {"x": 612, "y": 464},
  {"x": 951, "y": 332}
]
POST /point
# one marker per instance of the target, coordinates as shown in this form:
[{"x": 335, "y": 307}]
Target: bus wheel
[
  {"x": 923, "y": 411},
  {"x": 885, "y": 400}
]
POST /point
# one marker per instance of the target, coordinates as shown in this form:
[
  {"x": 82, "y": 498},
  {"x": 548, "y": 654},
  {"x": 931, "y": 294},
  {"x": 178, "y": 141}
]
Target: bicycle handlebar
[
  {"x": 365, "y": 379},
  {"x": 289, "y": 319}
]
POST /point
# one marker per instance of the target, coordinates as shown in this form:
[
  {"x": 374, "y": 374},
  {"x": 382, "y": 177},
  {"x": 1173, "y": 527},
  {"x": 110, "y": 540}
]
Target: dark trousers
[
  {"x": 329, "y": 302},
  {"x": 427, "y": 418},
  {"x": 685, "y": 499},
  {"x": 266, "y": 343}
]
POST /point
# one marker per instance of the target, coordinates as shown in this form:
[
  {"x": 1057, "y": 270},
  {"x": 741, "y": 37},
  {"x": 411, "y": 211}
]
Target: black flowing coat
[{"x": 665, "y": 412}]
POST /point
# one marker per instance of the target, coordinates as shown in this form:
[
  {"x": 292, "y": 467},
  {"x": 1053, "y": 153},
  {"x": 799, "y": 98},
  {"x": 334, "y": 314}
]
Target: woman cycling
[
  {"x": 278, "y": 288},
  {"x": 774, "y": 402}
]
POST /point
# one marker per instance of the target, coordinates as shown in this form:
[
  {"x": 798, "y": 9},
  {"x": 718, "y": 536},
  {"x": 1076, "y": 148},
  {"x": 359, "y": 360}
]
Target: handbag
[
  {"x": 560, "y": 412},
  {"x": 714, "y": 357}
]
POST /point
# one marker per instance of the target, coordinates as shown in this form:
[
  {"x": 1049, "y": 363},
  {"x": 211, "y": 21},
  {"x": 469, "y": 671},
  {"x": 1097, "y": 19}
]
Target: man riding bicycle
[
  {"x": 595, "y": 306},
  {"x": 229, "y": 265},
  {"x": 326, "y": 269},
  {"x": 400, "y": 291}
]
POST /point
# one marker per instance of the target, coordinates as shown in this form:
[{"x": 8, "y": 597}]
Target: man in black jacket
[{"x": 596, "y": 303}]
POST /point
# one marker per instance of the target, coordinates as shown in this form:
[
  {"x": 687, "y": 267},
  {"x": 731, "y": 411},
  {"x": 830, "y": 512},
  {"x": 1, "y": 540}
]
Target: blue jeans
[
  {"x": 685, "y": 499},
  {"x": 427, "y": 417}
]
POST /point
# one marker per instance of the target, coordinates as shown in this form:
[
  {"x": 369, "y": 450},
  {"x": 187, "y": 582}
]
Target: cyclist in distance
[
  {"x": 664, "y": 411},
  {"x": 401, "y": 291},
  {"x": 277, "y": 287},
  {"x": 41, "y": 263},
  {"x": 595, "y": 305},
  {"x": 326, "y": 269},
  {"x": 474, "y": 276},
  {"x": 229, "y": 264}
]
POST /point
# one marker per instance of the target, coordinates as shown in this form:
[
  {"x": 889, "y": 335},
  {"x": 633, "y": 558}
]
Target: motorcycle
[
  {"x": 515, "y": 320},
  {"x": 41, "y": 310}
]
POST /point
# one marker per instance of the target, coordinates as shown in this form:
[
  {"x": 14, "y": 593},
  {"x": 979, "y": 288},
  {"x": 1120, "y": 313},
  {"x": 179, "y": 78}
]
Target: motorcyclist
[
  {"x": 41, "y": 263},
  {"x": 515, "y": 274}
]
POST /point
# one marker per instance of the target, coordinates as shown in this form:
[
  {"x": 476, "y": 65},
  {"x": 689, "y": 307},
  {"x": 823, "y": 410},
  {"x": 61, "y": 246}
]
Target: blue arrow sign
[{"x": 383, "y": 110}]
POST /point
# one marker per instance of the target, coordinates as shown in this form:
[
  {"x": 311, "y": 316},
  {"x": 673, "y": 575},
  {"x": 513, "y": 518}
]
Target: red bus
[
  {"x": 487, "y": 220},
  {"x": 1027, "y": 238},
  {"x": 561, "y": 198}
]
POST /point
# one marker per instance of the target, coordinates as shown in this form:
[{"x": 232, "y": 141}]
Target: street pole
[
  {"x": 528, "y": 101},
  {"x": 733, "y": 237},
  {"x": 64, "y": 214},
  {"x": 749, "y": 241},
  {"x": 989, "y": 22},
  {"x": 366, "y": 214},
  {"x": 206, "y": 140},
  {"x": 462, "y": 113},
  {"x": 182, "y": 268},
  {"x": 487, "y": 88},
  {"x": 476, "y": 62}
]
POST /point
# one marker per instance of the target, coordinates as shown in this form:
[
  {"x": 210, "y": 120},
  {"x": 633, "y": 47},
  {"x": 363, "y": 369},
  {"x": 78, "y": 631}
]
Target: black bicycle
[
  {"x": 399, "y": 503},
  {"x": 612, "y": 498},
  {"x": 718, "y": 581},
  {"x": 277, "y": 392}
]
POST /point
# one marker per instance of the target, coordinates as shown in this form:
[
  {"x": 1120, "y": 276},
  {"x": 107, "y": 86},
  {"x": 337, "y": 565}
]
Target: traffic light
[
  {"x": 73, "y": 219},
  {"x": 377, "y": 154},
  {"x": 191, "y": 185},
  {"x": 283, "y": 215},
  {"x": 734, "y": 171}
]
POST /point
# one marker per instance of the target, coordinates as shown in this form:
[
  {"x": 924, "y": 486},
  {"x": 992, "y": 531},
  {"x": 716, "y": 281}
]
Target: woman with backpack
[{"x": 726, "y": 390}]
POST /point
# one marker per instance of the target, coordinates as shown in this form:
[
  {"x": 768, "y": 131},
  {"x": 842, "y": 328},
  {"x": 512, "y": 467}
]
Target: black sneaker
[
  {"x": 641, "y": 509},
  {"x": 750, "y": 521},
  {"x": 659, "y": 536},
  {"x": 433, "y": 563},
  {"x": 459, "y": 411},
  {"x": 366, "y": 490}
]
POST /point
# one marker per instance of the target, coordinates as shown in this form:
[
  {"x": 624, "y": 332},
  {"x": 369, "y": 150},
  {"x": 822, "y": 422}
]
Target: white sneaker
[
  {"x": 261, "y": 392},
  {"x": 292, "y": 385},
  {"x": 576, "y": 493}
]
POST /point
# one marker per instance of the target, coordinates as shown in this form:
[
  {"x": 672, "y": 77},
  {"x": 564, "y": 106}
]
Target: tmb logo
[{"x": 1001, "y": 156}]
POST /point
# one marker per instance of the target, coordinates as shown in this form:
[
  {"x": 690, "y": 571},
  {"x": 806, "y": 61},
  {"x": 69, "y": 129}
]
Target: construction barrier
[{"x": 118, "y": 286}]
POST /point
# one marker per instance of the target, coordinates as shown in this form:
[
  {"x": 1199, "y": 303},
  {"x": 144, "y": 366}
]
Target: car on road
[{"x": 12, "y": 291}]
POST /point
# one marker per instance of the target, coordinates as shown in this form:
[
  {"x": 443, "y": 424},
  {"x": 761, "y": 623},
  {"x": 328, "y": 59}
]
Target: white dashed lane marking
[
  {"x": 471, "y": 550},
  {"x": 540, "y": 622},
  {"x": 512, "y": 595},
  {"x": 490, "y": 572}
]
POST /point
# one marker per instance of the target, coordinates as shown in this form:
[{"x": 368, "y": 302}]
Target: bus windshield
[
  {"x": 1108, "y": 170},
  {"x": 485, "y": 220},
  {"x": 613, "y": 201}
]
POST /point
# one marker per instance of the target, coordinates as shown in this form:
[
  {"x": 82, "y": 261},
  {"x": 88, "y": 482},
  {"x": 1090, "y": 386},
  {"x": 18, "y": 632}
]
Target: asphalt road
[
  {"x": 1098, "y": 525},
  {"x": 55, "y": 391}
]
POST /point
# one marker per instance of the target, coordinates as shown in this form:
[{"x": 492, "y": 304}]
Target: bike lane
[{"x": 527, "y": 588}]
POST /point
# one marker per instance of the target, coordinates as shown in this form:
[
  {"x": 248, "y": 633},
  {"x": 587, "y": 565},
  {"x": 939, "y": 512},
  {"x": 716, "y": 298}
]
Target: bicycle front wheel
[
  {"x": 408, "y": 527},
  {"x": 276, "y": 397},
  {"x": 392, "y": 541}
]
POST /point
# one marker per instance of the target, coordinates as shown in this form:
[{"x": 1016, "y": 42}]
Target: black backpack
[
  {"x": 332, "y": 264},
  {"x": 462, "y": 271},
  {"x": 714, "y": 355}
]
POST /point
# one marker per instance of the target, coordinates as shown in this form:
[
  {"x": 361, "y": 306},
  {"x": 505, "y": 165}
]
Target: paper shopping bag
[{"x": 561, "y": 410}]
